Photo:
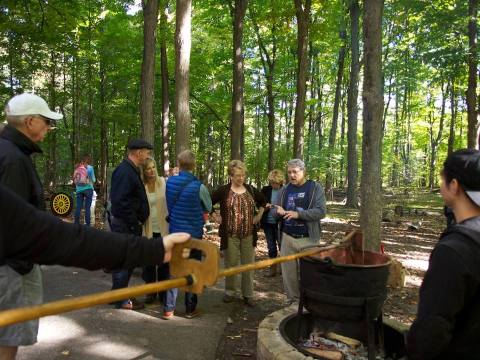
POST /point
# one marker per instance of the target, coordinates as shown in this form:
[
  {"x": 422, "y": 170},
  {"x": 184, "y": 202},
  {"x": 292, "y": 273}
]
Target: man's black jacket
[
  {"x": 127, "y": 195},
  {"x": 18, "y": 174},
  {"x": 448, "y": 319},
  {"x": 16, "y": 168},
  {"x": 29, "y": 234}
]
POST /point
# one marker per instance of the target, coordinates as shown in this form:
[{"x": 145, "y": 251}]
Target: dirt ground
[{"x": 409, "y": 239}]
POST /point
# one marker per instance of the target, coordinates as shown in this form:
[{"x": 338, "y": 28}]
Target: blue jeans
[
  {"x": 169, "y": 296},
  {"x": 86, "y": 197},
  {"x": 191, "y": 299},
  {"x": 271, "y": 234},
  {"x": 153, "y": 273},
  {"x": 120, "y": 280},
  {"x": 121, "y": 277}
]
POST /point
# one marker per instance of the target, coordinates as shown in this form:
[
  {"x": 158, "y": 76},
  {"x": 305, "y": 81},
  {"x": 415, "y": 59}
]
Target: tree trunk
[
  {"x": 394, "y": 181},
  {"x": 50, "y": 158},
  {"x": 336, "y": 104},
  {"x": 303, "y": 21},
  {"x": 165, "y": 154},
  {"x": 472, "y": 75},
  {"x": 453, "y": 115},
  {"x": 319, "y": 121},
  {"x": 352, "y": 108},
  {"x": 90, "y": 56},
  {"x": 371, "y": 206},
  {"x": 236, "y": 125},
  {"x": 268, "y": 63},
  {"x": 183, "y": 42},
  {"x": 147, "y": 78},
  {"x": 435, "y": 140},
  {"x": 103, "y": 132}
]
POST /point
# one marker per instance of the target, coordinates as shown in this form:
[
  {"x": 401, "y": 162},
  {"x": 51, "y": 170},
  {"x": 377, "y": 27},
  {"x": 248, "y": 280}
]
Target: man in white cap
[{"x": 28, "y": 121}]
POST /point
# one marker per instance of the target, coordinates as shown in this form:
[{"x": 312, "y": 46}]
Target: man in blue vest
[
  {"x": 187, "y": 200},
  {"x": 300, "y": 206}
]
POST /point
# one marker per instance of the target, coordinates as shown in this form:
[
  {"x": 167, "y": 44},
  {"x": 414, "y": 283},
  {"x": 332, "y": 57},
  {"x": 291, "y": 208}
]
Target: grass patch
[{"x": 415, "y": 200}]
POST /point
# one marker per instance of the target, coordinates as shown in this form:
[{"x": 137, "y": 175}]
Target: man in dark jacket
[
  {"x": 29, "y": 234},
  {"x": 447, "y": 325},
  {"x": 129, "y": 208},
  {"x": 29, "y": 119}
]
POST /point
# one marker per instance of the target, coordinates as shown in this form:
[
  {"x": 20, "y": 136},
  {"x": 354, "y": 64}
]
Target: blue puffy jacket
[{"x": 184, "y": 205}]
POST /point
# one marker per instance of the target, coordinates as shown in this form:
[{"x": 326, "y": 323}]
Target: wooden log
[
  {"x": 353, "y": 343},
  {"x": 326, "y": 354}
]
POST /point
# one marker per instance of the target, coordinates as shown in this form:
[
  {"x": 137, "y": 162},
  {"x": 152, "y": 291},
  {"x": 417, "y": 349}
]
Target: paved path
[{"x": 104, "y": 333}]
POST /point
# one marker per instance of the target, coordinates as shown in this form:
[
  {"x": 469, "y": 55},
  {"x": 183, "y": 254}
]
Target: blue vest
[{"x": 185, "y": 209}]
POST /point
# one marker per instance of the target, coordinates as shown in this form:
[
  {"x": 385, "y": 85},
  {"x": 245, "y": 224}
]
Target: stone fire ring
[
  {"x": 270, "y": 343},
  {"x": 272, "y": 346}
]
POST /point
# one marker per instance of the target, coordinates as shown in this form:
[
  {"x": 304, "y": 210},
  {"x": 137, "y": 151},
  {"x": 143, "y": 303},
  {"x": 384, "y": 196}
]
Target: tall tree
[
  {"x": 269, "y": 60},
  {"x": 453, "y": 116},
  {"x": 352, "y": 108},
  {"x": 237, "y": 121},
  {"x": 302, "y": 10},
  {"x": 183, "y": 43},
  {"x": 147, "y": 79},
  {"x": 371, "y": 205},
  {"x": 435, "y": 139},
  {"x": 472, "y": 74},
  {"x": 165, "y": 153},
  {"x": 336, "y": 105}
]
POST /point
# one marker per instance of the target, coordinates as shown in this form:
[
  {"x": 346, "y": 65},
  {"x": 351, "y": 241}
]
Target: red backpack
[{"x": 80, "y": 175}]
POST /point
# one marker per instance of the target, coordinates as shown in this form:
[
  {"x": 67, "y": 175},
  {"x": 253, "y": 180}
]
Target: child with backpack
[
  {"x": 84, "y": 178},
  {"x": 447, "y": 325}
]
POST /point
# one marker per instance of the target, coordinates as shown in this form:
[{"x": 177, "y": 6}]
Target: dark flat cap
[{"x": 139, "y": 144}]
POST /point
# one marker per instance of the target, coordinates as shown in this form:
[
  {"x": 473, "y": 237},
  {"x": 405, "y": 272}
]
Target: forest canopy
[{"x": 85, "y": 59}]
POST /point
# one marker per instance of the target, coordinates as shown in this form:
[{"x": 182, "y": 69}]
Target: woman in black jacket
[{"x": 269, "y": 223}]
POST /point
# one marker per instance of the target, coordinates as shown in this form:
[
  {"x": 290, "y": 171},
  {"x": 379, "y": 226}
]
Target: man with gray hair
[
  {"x": 28, "y": 121},
  {"x": 300, "y": 206}
]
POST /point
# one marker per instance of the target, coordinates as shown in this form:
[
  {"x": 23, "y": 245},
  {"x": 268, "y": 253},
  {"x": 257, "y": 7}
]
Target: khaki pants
[
  {"x": 291, "y": 245},
  {"x": 240, "y": 251}
]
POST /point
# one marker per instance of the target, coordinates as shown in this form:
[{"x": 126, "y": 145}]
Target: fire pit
[
  {"x": 277, "y": 336},
  {"x": 343, "y": 288},
  {"x": 341, "y": 347}
]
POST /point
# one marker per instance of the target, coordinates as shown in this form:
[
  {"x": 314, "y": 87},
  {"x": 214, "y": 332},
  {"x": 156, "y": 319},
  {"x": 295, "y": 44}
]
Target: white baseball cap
[{"x": 30, "y": 104}]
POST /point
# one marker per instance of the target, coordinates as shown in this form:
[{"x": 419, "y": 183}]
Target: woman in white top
[{"x": 156, "y": 224}]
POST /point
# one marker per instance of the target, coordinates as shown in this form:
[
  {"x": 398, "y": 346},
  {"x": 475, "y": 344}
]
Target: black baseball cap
[
  {"x": 139, "y": 144},
  {"x": 464, "y": 165}
]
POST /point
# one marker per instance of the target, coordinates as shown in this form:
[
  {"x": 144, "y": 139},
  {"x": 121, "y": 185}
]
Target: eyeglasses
[{"x": 48, "y": 122}]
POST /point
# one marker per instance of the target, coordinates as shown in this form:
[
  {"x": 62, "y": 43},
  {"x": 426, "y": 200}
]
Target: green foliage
[{"x": 85, "y": 59}]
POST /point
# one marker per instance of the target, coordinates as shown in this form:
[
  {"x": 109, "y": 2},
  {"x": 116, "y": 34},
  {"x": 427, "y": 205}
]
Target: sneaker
[
  {"x": 167, "y": 315},
  {"x": 192, "y": 314},
  {"x": 137, "y": 305},
  {"x": 228, "y": 298},
  {"x": 249, "y": 301},
  {"x": 131, "y": 305}
]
